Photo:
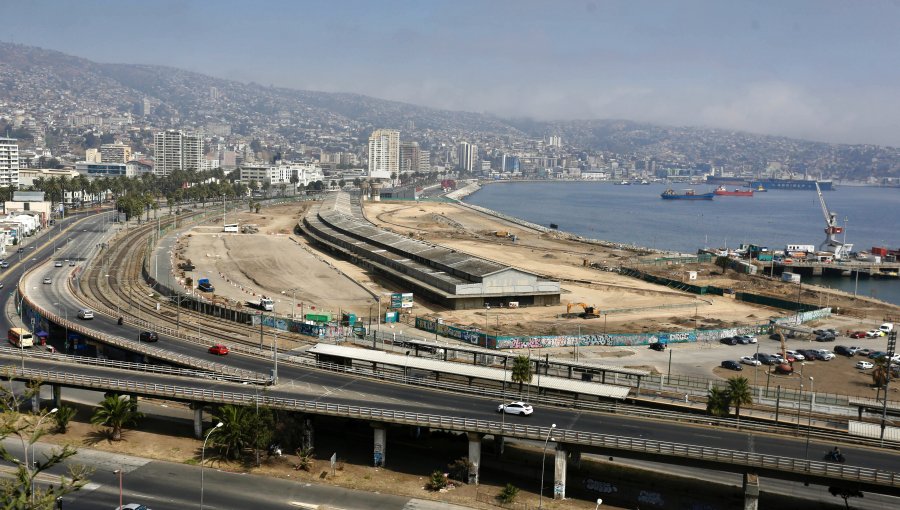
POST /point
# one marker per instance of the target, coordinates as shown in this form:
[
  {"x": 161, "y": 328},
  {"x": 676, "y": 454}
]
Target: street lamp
[
  {"x": 812, "y": 395},
  {"x": 119, "y": 472},
  {"x": 544, "y": 458},
  {"x": 33, "y": 457},
  {"x": 599, "y": 502},
  {"x": 203, "y": 459}
]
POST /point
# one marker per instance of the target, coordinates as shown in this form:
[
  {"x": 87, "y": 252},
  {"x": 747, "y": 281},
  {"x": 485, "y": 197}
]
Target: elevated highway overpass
[{"x": 468, "y": 411}]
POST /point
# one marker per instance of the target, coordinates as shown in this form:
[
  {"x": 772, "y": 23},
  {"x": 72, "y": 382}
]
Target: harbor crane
[{"x": 831, "y": 244}]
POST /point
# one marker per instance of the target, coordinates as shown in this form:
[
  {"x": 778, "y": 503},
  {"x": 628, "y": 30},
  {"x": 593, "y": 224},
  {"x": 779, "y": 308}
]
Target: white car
[
  {"x": 864, "y": 365},
  {"x": 132, "y": 506},
  {"x": 797, "y": 356},
  {"x": 748, "y": 339},
  {"x": 48, "y": 280},
  {"x": 825, "y": 354},
  {"x": 875, "y": 333},
  {"x": 58, "y": 263},
  {"x": 749, "y": 360},
  {"x": 85, "y": 313},
  {"x": 520, "y": 408}
]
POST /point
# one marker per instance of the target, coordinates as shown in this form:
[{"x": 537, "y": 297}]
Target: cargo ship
[
  {"x": 767, "y": 184},
  {"x": 688, "y": 194},
  {"x": 721, "y": 190},
  {"x": 792, "y": 184}
]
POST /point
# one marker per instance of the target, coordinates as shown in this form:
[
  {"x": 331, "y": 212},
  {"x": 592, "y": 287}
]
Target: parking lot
[{"x": 838, "y": 375}]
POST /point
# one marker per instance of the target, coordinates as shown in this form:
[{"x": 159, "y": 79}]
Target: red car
[
  {"x": 858, "y": 334},
  {"x": 219, "y": 349}
]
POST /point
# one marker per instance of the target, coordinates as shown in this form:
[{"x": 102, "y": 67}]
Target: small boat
[
  {"x": 688, "y": 194},
  {"x": 625, "y": 183},
  {"x": 736, "y": 193},
  {"x": 645, "y": 182},
  {"x": 761, "y": 189}
]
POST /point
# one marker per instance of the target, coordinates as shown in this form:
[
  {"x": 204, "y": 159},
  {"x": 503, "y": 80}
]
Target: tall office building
[
  {"x": 424, "y": 160},
  {"x": 9, "y": 162},
  {"x": 466, "y": 157},
  {"x": 176, "y": 150},
  {"x": 409, "y": 157},
  {"x": 384, "y": 153},
  {"x": 92, "y": 156},
  {"x": 115, "y": 153}
]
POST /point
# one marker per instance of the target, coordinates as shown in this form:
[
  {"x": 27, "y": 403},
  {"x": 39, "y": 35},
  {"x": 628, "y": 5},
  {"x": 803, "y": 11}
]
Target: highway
[{"x": 304, "y": 383}]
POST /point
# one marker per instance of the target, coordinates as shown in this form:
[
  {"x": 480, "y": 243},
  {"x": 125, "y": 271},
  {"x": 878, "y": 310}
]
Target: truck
[
  {"x": 204, "y": 285},
  {"x": 266, "y": 304},
  {"x": 887, "y": 327}
]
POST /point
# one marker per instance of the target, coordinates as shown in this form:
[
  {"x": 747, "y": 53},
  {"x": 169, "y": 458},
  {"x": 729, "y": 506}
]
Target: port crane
[{"x": 831, "y": 244}]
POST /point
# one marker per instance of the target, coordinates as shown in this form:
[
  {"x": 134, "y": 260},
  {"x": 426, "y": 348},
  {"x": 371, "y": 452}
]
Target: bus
[{"x": 20, "y": 337}]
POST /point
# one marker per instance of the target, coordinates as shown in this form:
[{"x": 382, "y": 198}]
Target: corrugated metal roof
[{"x": 446, "y": 367}]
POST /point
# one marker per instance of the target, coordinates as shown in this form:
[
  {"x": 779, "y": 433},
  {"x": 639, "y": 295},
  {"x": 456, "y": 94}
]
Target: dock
[{"x": 851, "y": 268}]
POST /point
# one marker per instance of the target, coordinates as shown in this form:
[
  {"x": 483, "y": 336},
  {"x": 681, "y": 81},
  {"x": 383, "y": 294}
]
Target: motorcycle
[
  {"x": 120, "y": 321},
  {"x": 832, "y": 457}
]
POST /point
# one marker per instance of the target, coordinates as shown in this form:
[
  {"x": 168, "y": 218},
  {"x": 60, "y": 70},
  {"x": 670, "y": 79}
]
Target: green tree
[
  {"x": 232, "y": 438},
  {"x": 116, "y": 412},
  {"x": 436, "y": 481},
  {"x": 18, "y": 490},
  {"x": 739, "y": 393},
  {"x": 521, "y": 371},
  {"x": 62, "y": 417},
  {"x": 717, "y": 403}
]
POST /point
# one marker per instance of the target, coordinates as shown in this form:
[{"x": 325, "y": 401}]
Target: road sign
[{"x": 333, "y": 462}]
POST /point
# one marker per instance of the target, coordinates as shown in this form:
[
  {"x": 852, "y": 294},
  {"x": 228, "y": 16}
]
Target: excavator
[
  {"x": 784, "y": 368},
  {"x": 590, "y": 312}
]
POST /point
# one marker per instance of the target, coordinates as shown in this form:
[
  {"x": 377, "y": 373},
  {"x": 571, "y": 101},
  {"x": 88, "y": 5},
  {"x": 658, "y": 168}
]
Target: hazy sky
[{"x": 821, "y": 70}]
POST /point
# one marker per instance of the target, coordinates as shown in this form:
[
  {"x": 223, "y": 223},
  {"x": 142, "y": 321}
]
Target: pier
[{"x": 850, "y": 268}]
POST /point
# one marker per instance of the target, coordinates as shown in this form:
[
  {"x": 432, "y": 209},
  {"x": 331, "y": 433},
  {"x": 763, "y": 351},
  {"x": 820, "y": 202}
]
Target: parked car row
[{"x": 739, "y": 339}]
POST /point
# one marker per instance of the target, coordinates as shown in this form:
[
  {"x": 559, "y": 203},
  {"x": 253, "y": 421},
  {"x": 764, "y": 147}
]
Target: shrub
[
  {"x": 459, "y": 469},
  {"x": 508, "y": 493},
  {"x": 437, "y": 481},
  {"x": 62, "y": 417}
]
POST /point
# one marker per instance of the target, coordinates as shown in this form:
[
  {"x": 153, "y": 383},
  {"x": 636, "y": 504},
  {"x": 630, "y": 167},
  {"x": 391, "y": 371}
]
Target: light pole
[
  {"x": 599, "y": 502},
  {"x": 812, "y": 395},
  {"x": 544, "y": 458},
  {"x": 203, "y": 459},
  {"x": 119, "y": 472},
  {"x": 275, "y": 357},
  {"x": 33, "y": 456}
]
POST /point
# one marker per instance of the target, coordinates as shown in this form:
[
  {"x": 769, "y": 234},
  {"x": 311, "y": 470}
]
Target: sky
[{"x": 813, "y": 69}]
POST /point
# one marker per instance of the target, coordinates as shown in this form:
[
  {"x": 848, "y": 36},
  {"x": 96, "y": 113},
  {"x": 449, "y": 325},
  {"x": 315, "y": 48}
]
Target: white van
[
  {"x": 887, "y": 327},
  {"x": 267, "y": 304}
]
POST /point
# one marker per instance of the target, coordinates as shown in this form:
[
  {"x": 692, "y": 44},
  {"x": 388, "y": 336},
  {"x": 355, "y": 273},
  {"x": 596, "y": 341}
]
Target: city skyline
[{"x": 813, "y": 70}]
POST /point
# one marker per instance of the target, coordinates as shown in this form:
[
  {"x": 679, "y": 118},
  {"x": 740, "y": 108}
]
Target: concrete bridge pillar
[
  {"x": 198, "y": 421},
  {"x": 36, "y": 400},
  {"x": 559, "y": 476},
  {"x": 57, "y": 396},
  {"x": 380, "y": 444},
  {"x": 751, "y": 491},
  {"x": 307, "y": 433},
  {"x": 474, "y": 456}
]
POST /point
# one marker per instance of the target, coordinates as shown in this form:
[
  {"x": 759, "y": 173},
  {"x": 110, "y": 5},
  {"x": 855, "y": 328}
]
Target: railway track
[{"x": 125, "y": 292}]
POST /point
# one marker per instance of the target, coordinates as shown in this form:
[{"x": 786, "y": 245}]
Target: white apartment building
[
  {"x": 282, "y": 173},
  {"x": 409, "y": 157},
  {"x": 92, "y": 155},
  {"x": 467, "y": 157},
  {"x": 176, "y": 150},
  {"x": 9, "y": 162},
  {"x": 384, "y": 153},
  {"x": 115, "y": 153}
]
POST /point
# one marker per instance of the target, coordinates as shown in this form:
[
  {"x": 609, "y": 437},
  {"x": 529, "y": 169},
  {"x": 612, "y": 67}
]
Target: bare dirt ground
[
  {"x": 552, "y": 256},
  {"x": 272, "y": 262}
]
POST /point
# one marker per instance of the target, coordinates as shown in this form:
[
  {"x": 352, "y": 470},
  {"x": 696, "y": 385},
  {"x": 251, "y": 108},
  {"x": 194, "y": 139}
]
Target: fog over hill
[{"x": 51, "y": 86}]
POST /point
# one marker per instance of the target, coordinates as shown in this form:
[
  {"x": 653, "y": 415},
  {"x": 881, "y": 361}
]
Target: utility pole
[{"x": 891, "y": 346}]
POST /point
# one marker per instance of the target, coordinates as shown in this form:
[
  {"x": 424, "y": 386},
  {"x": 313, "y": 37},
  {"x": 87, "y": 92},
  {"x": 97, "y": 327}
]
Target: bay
[{"x": 636, "y": 214}]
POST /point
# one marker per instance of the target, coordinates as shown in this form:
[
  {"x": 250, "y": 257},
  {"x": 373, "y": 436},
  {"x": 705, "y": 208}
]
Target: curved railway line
[{"x": 132, "y": 296}]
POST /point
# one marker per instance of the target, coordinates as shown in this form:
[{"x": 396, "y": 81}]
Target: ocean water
[{"x": 636, "y": 214}]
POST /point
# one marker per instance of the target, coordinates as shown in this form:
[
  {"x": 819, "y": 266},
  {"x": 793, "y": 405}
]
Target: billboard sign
[{"x": 404, "y": 300}]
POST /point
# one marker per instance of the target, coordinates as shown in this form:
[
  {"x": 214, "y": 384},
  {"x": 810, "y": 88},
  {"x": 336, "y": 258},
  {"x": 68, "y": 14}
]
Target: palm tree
[
  {"x": 739, "y": 393},
  {"x": 717, "y": 402},
  {"x": 521, "y": 371},
  {"x": 232, "y": 437},
  {"x": 116, "y": 412}
]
